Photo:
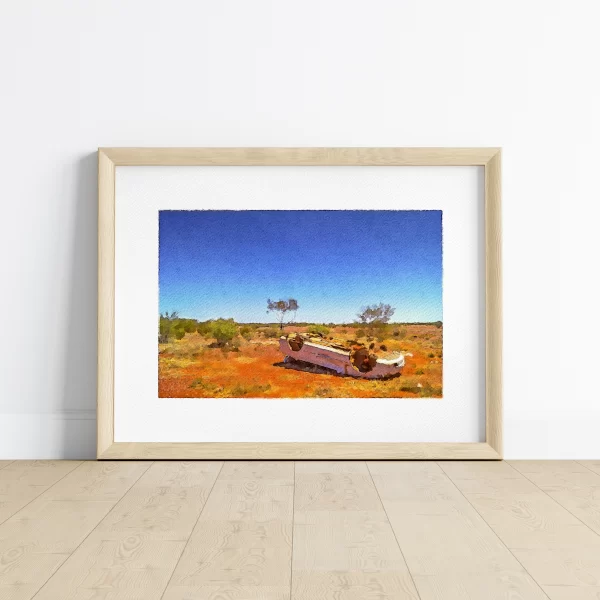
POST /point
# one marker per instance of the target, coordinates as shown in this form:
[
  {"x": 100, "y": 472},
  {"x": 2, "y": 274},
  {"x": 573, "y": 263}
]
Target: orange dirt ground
[{"x": 189, "y": 368}]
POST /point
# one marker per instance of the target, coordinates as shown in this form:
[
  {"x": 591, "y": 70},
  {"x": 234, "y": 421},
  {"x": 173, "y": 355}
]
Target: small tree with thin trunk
[
  {"x": 281, "y": 308},
  {"x": 375, "y": 316}
]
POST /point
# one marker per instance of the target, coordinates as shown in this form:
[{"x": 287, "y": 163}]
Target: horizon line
[{"x": 305, "y": 322}]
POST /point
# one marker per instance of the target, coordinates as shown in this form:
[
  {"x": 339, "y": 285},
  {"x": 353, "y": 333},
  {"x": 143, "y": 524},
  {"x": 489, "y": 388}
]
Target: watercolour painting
[{"x": 300, "y": 304}]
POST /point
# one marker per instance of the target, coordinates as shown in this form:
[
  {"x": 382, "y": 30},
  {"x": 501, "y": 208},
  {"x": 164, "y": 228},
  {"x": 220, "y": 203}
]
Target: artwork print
[{"x": 300, "y": 304}]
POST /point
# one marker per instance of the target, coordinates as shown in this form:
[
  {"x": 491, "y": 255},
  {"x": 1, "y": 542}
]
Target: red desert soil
[{"x": 190, "y": 368}]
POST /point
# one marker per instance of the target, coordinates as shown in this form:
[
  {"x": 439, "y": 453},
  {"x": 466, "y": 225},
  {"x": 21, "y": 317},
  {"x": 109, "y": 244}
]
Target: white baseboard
[
  {"x": 72, "y": 434},
  {"x": 65, "y": 434}
]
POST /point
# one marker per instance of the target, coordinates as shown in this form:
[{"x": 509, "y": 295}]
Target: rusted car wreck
[{"x": 352, "y": 359}]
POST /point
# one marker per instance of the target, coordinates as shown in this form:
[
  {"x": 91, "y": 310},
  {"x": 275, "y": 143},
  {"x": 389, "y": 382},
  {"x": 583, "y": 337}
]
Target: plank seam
[
  {"x": 586, "y": 467},
  {"x": 212, "y": 487},
  {"x": 554, "y": 499},
  {"x": 42, "y": 492},
  {"x": 393, "y": 530},
  {"x": 90, "y": 533},
  {"x": 492, "y": 530}
]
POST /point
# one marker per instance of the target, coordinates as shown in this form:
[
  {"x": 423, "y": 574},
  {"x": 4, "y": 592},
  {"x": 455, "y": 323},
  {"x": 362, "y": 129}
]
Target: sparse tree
[
  {"x": 282, "y": 308},
  {"x": 375, "y": 316},
  {"x": 166, "y": 325}
]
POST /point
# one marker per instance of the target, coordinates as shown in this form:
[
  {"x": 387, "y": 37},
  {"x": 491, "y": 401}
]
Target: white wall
[{"x": 518, "y": 74}]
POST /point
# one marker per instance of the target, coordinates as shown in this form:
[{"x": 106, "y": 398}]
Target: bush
[
  {"x": 323, "y": 392},
  {"x": 223, "y": 330},
  {"x": 204, "y": 329},
  {"x": 431, "y": 355},
  {"x": 189, "y": 325},
  {"x": 270, "y": 332},
  {"x": 246, "y": 332},
  {"x": 179, "y": 333},
  {"x": 318, "y": 330},
  {"x": 360, "y": 333},
  {"x": 240, "y": 390}
]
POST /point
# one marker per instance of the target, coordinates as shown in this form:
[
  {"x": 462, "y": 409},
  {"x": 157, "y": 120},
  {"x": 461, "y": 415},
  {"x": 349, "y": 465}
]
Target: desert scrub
[
  {"x": 207, "y": 386},
  {"x": 318, "y": 329},
  {"x": 246, "y": 332},
  {"x": 176, "y": 363},
  {"x": 240, "y": 390},
  {"x": 323, "y": 392},
  {"x": 408, "y": 384},
  {"x": 429, "y": 391},
  {"x": 270, "y": 332},
  {"x": 185, "y": 349},
  {"x": 223, "y": 330}
]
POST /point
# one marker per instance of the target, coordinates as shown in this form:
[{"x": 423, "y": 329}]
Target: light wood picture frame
[{"x": 111, "y": 158}]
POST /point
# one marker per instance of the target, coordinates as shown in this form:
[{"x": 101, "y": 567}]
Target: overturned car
[{"x": 352, "y": 359}]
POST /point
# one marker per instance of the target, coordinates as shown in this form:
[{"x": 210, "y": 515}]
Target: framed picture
[{"x": 299, "y": 303}]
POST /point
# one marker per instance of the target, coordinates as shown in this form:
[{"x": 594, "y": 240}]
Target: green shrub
[
  {"x": 204, "y": 329},
  {"x": 223, "y": 330},
  {"x": 360, "y": 333},
  {"x": 189, "y": 325},
  {"x": 270, "y": 332},
  {"x": 318, "y": 329},
  {"x": 179, "y": 333},
  {"x": 246, "y": 332}
]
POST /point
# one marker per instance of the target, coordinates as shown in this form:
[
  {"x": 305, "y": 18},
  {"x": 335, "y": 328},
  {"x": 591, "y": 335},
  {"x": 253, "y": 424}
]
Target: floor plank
[
  {"x": 322, "y": 530},
  {"x": 572, "y": 485},
  {"x": 592, "y": 465},
  {"x": 344, "y": 546},
  {"x": 240, "y": 548},
  {"x": 555, "y": 547},
  {"x": 164, "y": 504},
  {"x": 23, "y": 481},
  {"x": 38, "y": 539},
  {"x": 132, "y": 553},
  {"x": 567, "y": 592},
  {"x": 451, "y": 552}
]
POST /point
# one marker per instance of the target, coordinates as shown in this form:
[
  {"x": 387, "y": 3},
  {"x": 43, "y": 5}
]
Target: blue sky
[{"x": 227, "y": 263}]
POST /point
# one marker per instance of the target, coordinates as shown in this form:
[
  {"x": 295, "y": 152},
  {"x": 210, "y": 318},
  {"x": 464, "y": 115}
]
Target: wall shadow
[{"x": 80, "y": 353}]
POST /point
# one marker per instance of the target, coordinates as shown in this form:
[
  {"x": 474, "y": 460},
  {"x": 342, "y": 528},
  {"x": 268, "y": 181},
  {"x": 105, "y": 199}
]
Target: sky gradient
[{"x": 227, "y": 263}]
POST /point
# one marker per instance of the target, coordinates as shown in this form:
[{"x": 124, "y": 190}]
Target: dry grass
[{"x": 189, "y": 368}]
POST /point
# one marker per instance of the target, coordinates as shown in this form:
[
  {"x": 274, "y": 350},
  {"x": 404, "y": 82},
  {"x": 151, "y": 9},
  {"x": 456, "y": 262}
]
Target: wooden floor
[{"x": 306, "y": 530}]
